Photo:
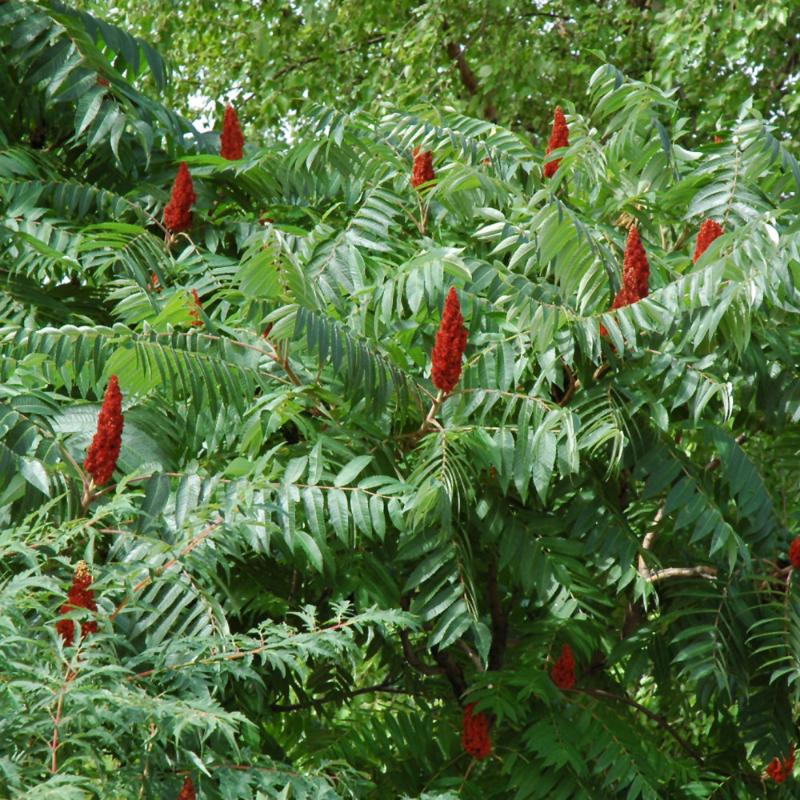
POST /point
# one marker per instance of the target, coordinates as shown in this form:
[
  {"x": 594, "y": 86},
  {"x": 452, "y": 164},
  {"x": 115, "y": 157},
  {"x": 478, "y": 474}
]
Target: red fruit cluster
[
  {"x": 779, "y": 770},
  {"x": 558, "y": 138},
  {"x": 187, "y": 790},
  {"x": 451, "y": 342},
  {"x": 178, "y": 212},
  {"x": 475, "y": 733},
  {"x": 709, "y": 231},
  {"x": 101, "y": 460},
  {"x": 423, "y": 167},
  {"x": 232, "y": 140},
  {"x": 563, "y": 671},
  {"x": 635, "y": 274},
  {"x": 194, "y": 311},
  {"x": 78, "y": 596},
  {"x": 635, "y": 269},
  {"x": 155, "y": 285},
  {"x": 794, "y": 552}
]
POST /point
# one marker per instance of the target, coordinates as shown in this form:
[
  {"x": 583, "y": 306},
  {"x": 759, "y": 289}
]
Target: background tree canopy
[
  {"x": 504, "y": 61},
  {"x": 311, "y": 572}
]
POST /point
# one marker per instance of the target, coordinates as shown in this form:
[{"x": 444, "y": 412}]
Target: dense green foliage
[
  {"x": 510, "y": 61},
  {"x": 306, "y": 563}
]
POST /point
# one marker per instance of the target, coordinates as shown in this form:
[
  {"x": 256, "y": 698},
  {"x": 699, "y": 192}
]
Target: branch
[
  {"x": 452, "y": 671},
  {"x": 311, "y": 59},
  {"x": 715, "y": 462},
  {"x": 660, "y": 720},
  {"x": 385, "y": 687},
  {"x": 471, "y": 84},
  {"x": 497, "y": 650},
  {"x": 411, "y": 655},
  {"x": 682, "y": 572},
  {"x": 649, "y": 540},
  {"x": 471, "y": 654},
  {"x": 194, "y": 542}
]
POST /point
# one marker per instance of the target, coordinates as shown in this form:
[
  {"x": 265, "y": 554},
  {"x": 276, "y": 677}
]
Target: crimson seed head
[
  {"x": 178, "y": 212},
  {"x": 187, "y": 790},
  {"x": 635, "y": 268},
  {"x": 78, "y": 596},
  {"x": 101, "y": 459},
  {"x": 231, "y": 140},
  {"x": 559, "y": 137},
  {"x": 794, "y": 552},
  {"x": 422, "y": 172},
  {"x": 709, "y": 231},
  {"x": 475, "y": 737},
  {"x": 563, "y": 671},
  {"x": 780, "y": 770},
  {"x": 451, "y": 342},
  {"x": 635, "y": 275}
]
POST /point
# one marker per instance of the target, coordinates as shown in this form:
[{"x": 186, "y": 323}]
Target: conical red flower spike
[
  {"x": 178, "y": 212},
  {"x": 635, "y": 268},
  {"x": 79, "y": 596},
  {"x": 422, "y": 172},
  {"x": 475, "y": 737},
  {"x": 231, "y": 140},
  {"x": 451, "y": 342},
  {"x": 635, "y": 275},
  {"x": 559, "y": 137},
  {"x": 187, "y": 790},
  {"x": 709, "y": 231},
  {"x": 101, "y": 458},
  {"x": 563, "y": 671}
]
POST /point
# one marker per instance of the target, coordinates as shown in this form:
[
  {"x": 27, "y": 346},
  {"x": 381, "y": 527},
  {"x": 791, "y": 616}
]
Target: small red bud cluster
[
  {"x": 423, "y": 171},
  {"x": 178, "y": 212},
  {"x": 101, "y": 459},
  {"x": 232, "y": 139},
  {"x": 709, "y": 231},
  {"x": 794, "y": 552},
  {"x": 475, "y": 733},
  {"x": 559, "y": 137},
  {"x": 78, "y": 596},
  {"x": 563, "y": 671},
  {"x": 451, "y": 342},
  {"x": 194, "y": 310},
  {"x": 187, "y": 790},
  {"x": 780, "y": 770}
]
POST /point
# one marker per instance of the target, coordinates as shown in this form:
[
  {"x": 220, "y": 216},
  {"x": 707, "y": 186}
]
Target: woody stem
[
  {"x": 428, "y": 422},
  {"x": 68, "y": 678}
]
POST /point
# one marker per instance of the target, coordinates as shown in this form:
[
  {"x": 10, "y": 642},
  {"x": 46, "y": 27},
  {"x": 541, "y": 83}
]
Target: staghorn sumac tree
[{"x": 565, "y": 574}]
